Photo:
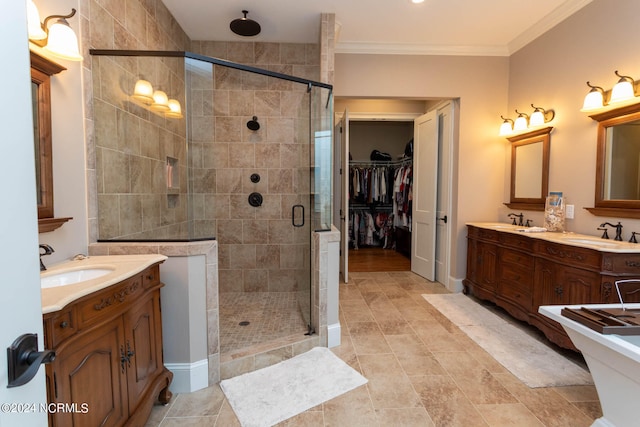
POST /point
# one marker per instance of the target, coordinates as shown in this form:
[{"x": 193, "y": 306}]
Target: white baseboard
[
  {"x": 333, "y": 335},
  {"x": 189, "y": 377},
  {"x": 455, "y": 285}
]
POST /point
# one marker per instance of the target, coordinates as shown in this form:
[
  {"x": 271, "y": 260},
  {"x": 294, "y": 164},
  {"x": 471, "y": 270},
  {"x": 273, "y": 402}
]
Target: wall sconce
[
  {"x": 507, "y": 126},
  {"x": 523, "y": 122},
  {"x": 155, "y": 101},
  {"x": 59, "y": 39},
  {"x": 540, "y": 116},
  {"x": 594, "y": 99},
  {"x": 623, "y": 90},
  {"x": 623, "y": 93}
]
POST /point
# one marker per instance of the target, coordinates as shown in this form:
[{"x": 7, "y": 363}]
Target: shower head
[
  {"x": 245, "y": 26},
  {"x": 253, "y": 124}
]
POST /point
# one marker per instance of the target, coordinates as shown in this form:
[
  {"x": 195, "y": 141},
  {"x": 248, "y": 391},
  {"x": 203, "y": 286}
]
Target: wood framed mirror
[
  {"x": 530, "y": 169},
  {"x": 617, "y": 191},
  {"x": 41, "y": 71}
]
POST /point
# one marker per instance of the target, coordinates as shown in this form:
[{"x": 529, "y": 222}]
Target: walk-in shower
[{"x": 189, "y": 147}]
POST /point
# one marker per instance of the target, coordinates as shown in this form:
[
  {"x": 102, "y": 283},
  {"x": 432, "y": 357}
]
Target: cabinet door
[
  {"x": 143, "y": 347},
  {"x": 89, "y": 371},
  {"x": 486, "y": 265},
  {"x": 563, "y": 285}
]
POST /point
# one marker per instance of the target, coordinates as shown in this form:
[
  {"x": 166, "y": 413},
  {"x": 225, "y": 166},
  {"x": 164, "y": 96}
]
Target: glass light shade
[
  {"x": 33, "y": 22},
  {"x": 143, "y": 92},
  {"x": 175, "y": 111},
  {"x": 160, "y": 101},
  {"x": 63, "y": 42},
  {"x": 593, "y": 100},
  {"x": 520, "y": 124},
  {"x": 537, "y": 118},
  {"x": 506, "y": 128},
  {"x": 622, "y": 91}
]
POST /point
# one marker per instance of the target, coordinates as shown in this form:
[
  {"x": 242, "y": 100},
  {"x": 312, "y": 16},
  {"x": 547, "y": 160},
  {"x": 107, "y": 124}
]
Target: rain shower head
[
  {"x": 245, "y": 26},
  {"x": 253, "y": 124}
]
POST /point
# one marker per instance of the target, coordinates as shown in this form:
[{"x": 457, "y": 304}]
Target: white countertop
[
  {"x": 123, "y": 266},
  {"x": 565, "y": 238}
]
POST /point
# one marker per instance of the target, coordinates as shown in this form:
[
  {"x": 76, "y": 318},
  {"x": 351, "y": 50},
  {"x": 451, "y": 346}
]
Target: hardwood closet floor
[{"x": 377, "y": 259}]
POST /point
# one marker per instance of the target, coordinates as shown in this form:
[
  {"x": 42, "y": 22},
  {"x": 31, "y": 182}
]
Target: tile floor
[
  {"x": 271, "y": 315},
  {"x": 422, "y": 371}
]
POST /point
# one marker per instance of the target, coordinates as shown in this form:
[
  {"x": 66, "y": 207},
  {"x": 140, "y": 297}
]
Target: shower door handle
[{"x": 293, "y": 215}]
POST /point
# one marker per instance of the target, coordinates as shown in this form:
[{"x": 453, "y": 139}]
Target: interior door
[
  {"x": 20, "y": 303},
  {"x": 445, "y": 136},
  {"x": 425, "y": 186},
  {"x": 344, "y": 200}
]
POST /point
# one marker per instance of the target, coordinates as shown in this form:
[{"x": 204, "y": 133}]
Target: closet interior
[{"x": 380, "y": 187}]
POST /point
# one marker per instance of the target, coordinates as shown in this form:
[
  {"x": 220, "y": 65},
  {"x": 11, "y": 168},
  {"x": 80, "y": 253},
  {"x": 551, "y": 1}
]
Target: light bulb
[
  {"x": 143, "y": 92},
  {"x": 160, "y": 101},
  {"x": 175, "y": 111}
]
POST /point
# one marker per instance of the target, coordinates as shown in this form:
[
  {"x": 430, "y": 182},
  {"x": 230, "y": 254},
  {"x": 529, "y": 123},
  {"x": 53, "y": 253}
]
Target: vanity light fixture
[
  {"x": 59, "y": 39},
  {"x": 540, "y": 116},
  {"x": 521, "y": 123},
  {"x": 143, "y": 92},
  {"x": 156, "y": 101},
  {"x": 160, "y": 101},
  {"x": 623, "y": 90},
  {"x": 175, "y": 111},
  {"x": 507, "y": 126},
  {"x": 594, "y": 99}
]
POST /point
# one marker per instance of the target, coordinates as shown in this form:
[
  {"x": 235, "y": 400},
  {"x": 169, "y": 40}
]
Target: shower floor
[{"x": 271, "y": 316}]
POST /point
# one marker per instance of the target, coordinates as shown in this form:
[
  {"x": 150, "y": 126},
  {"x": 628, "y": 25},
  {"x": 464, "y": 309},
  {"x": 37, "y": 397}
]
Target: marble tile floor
[{"x": 422, "y": 371}]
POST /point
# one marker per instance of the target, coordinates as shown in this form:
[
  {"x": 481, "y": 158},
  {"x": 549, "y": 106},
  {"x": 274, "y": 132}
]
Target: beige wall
[
  {"x": 551, "y": 72},
  {"x": 481, "y": 85}
]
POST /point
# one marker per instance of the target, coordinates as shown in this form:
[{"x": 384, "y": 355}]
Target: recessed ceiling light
[{"x": 417, "y": 1}]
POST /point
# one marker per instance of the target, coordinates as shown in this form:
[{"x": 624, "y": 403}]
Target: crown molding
[{"x": 558, "y": 15}]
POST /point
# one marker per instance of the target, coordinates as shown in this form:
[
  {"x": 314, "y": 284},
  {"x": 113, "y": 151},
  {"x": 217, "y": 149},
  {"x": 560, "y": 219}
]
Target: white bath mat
[
  {"x": 534, "y": 363},
  {"x": 273, "y": 394}
]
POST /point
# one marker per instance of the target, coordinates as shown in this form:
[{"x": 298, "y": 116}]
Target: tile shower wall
[{"x": 259, "y": 249}]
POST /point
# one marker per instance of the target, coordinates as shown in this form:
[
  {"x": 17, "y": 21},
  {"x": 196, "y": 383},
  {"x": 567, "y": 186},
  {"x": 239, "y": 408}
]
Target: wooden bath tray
[{"x": 606, "y": 321}]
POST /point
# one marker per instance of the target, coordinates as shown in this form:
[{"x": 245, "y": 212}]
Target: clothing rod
[{"x": 381, "y": 162}]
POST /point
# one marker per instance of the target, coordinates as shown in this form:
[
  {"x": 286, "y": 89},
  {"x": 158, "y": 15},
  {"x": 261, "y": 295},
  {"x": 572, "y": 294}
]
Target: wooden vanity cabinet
[
  {"x": 481, "y": 268},
  {"x": 112, "y": 358},
  {"x": 530, "y": 272}
]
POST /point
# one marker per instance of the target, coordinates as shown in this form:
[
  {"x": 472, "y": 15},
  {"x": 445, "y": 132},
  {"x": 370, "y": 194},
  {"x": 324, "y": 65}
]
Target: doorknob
[
  {"x": 24, "y": 359},
  {"x": 443, "y": 219}
]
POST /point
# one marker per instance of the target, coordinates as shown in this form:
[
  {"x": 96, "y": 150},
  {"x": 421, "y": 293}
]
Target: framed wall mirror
[
  {"x": 617, "y": 191},
  {"x": 530, "y": 169},
  {"x": 41, "y": 71}
]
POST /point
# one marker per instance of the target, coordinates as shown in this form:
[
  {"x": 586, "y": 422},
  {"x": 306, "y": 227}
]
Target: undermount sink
[
  {"x": 587, "y": 241},
  {"x": 70, "y": 277}
]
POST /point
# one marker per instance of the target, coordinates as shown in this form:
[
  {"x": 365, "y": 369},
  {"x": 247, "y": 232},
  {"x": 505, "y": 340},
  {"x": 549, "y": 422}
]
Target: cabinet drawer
[
  {"x": 516, "y": 294},
  {"x": 60, "y": 327},
  {"x": 109, "y": 301},
  {"x": 151, "y": 276},
  {"x": 516, "y": 241},
  {"x": 570, "y": 255},
  {"x": 516, "y": 258},
  {"x": 621, "y": 263},
  {"x": 515, "y": 273},
  {"x": 482, "y": 233}
]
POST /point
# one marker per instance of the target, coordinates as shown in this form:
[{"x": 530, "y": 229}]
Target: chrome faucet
[
  {"x": 514, "y": 216},
  {"x": 618, "y": 228},
  {"x": 48, "y": 250}
]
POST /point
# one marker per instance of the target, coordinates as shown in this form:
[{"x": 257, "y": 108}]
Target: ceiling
[{"x": 448, "y": 27}]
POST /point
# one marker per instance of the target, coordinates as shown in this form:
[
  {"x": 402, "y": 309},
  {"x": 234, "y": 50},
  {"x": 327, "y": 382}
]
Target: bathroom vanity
[
  {"x": 107, "y": 335},
  {"x": 521, "y": 271}
]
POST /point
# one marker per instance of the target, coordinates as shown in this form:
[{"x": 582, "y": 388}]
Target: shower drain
[{"x": 244, "y": 323}]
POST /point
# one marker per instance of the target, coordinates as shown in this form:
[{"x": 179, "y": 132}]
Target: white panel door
[
  {"x": 445, "y": 136},
  {"x": 344, "y": 201},
  {"x": 20, "y": 304},
  {"x": 425, "y": 186}
]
